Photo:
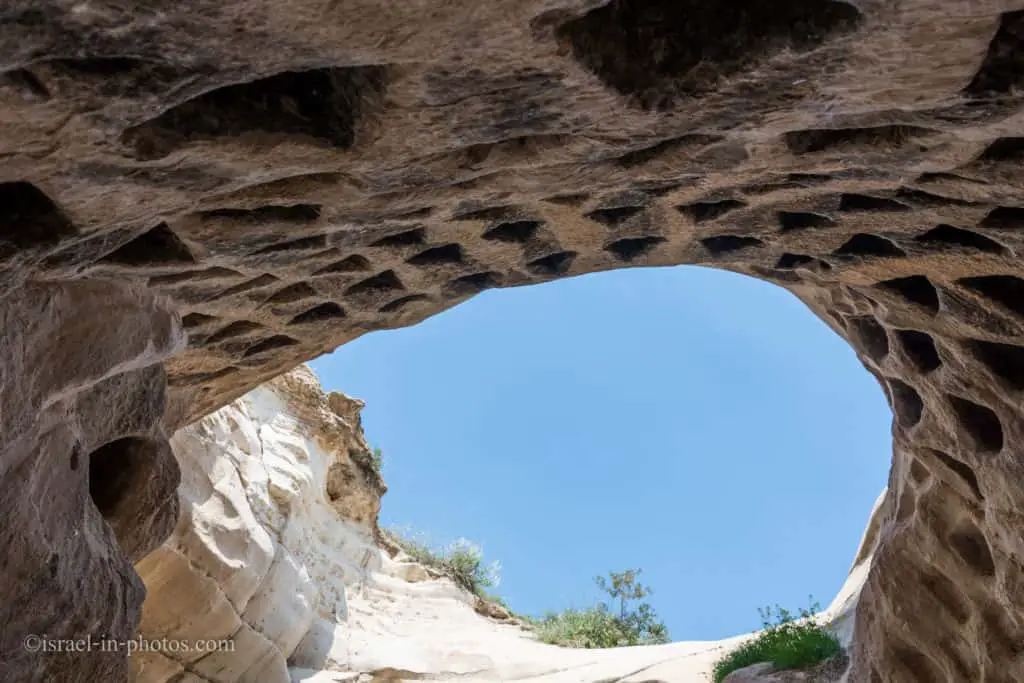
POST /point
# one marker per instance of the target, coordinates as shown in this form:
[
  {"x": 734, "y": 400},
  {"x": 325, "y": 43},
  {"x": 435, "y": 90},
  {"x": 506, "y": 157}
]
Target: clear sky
[{"x": 699, "y": 424}]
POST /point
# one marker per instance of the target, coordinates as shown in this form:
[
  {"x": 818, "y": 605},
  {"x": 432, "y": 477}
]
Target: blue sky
[{"x": 699, "y": 424}]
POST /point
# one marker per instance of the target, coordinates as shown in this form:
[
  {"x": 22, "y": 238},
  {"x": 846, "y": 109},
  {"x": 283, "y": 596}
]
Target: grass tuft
[
  {"x": 593, "y": 627},
  {"x": 787, "y": 642},
  {"x": 600, "y": 626},
  {"x": 462, "y": 561}
]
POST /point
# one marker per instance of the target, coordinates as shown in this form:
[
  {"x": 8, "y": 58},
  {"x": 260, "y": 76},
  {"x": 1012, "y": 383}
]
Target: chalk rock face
[
  {"x": 279, "y": 504},
  {"x": 288, "y": 176}
]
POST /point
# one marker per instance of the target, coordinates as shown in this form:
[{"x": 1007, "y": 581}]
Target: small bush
[
  {"x": 378, "y": 459},
  {"x": 462, "y": 561},
  {"x": 599, "y": 626},
  {"x": 786, "y": 642},
  {"x": 465, "y": 563}
]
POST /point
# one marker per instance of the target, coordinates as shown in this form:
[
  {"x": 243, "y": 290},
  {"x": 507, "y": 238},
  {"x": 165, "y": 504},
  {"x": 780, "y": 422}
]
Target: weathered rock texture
[
  {"x": 827, "y": 672},
  {"x": 278, "y": 560},
  {"x": 290, "y": 175},
  {"x": 88, "y": 477},
  {"x": 279, "y": 504}
]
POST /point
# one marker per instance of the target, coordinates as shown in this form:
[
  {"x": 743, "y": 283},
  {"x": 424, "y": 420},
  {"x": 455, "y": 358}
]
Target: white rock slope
[{"x": 277, "y": 551}]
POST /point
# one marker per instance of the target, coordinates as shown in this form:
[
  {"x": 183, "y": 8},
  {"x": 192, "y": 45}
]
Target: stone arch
[{"x": 284, "y": 201}]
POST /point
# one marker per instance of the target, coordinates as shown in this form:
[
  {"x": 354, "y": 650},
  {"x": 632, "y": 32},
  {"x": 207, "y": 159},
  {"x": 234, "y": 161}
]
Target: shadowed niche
[
  {"x": 661, "y": 50},
  {"x": 114, "y": 470},
  {"x": 325, "y": 104}
]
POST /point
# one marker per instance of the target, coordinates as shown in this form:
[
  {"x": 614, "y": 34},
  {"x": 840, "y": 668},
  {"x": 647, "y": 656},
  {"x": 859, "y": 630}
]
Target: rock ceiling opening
[
  {"x": 284, "y": 178},
  {"x": 689, "y": 354}
]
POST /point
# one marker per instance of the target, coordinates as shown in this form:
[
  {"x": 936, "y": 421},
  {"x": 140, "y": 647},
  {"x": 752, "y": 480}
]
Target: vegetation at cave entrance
[
  {"x": 462, "y": 560},
  {"x": 788, "y": 642},
  {"x": 616, "y": 622},
  {"x": 603, "y": 625}
]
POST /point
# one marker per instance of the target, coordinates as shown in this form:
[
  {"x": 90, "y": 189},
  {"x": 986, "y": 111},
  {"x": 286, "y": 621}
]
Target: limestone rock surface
[
  {"x": 279, "y": 504},
  {"x": 287, "y": 175},
  {"x": 88, "y": 475},
  {"x": 828, "y": 672}
]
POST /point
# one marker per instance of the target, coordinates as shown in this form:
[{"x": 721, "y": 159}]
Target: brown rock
[
  {"x": 292, "y": 175},
  {"x": 830, "y": 671},
  {"x": 491, "y": 610},
  {"x": 88, "y": 477}
]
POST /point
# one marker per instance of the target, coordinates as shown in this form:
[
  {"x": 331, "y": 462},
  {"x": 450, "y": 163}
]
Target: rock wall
[
  {"x": 282, "y": 177},
  {"x": 279, "y": 504},
  {"x": 277, "y": 558},
  {"x": 88, "y": 476}
]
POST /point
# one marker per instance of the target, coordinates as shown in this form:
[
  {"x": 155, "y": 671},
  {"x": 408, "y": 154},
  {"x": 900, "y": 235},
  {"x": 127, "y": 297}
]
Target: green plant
[
  {"x": 378, "y": 459},
  {"x": 787, "y": 642},
  {"x": 462, "y": 561},
  {"x": 465, "y": 563},
  {"x": 599, "y": 626}
]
